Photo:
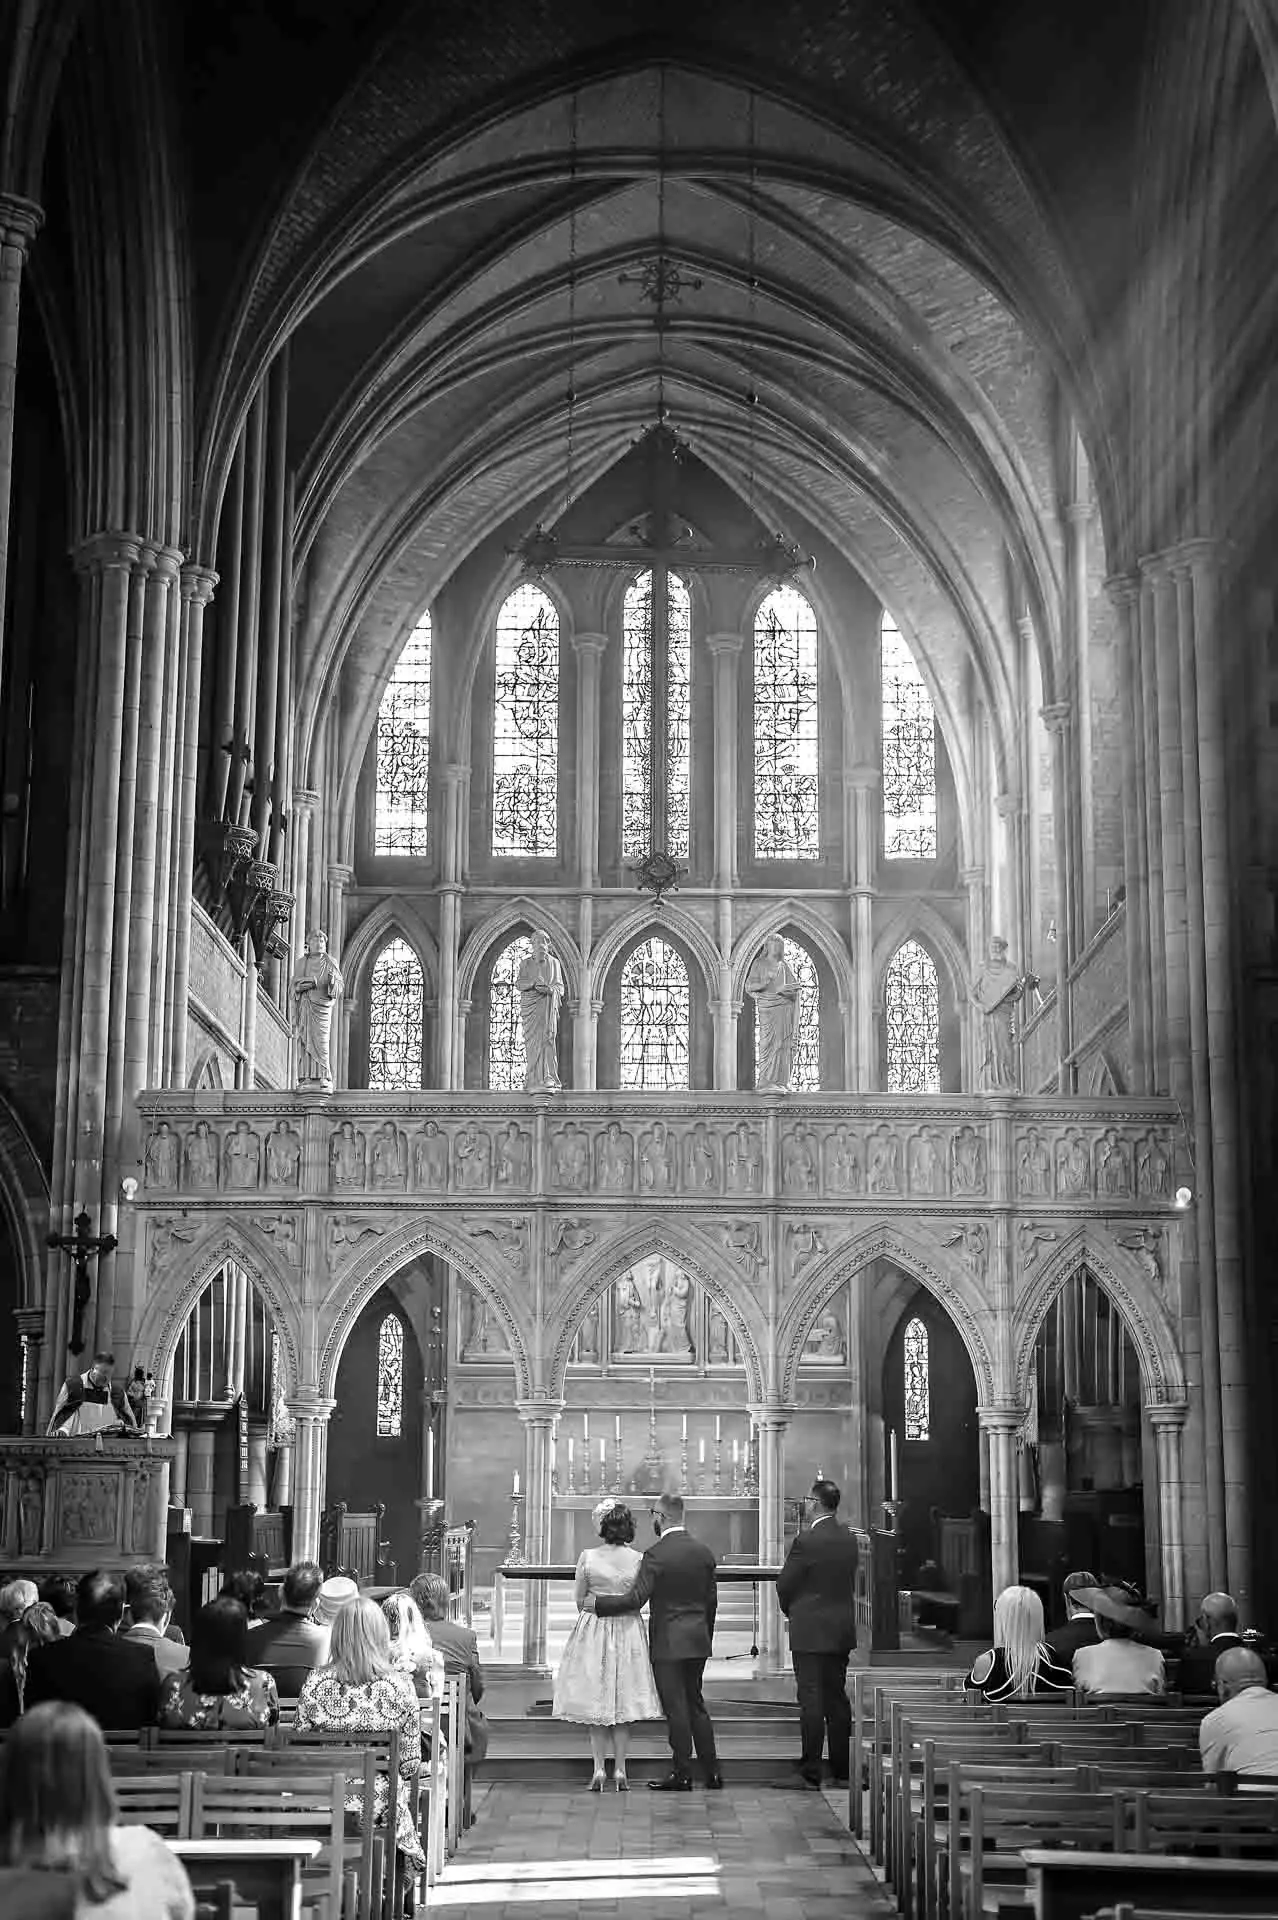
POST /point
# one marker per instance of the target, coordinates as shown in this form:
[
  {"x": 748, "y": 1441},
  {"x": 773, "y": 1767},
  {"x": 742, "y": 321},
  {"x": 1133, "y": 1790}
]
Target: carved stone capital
[
  {"x": 103, "y": 551},
  {"x": 20, "y": 222},
  {"x": 198, "y": 583}
]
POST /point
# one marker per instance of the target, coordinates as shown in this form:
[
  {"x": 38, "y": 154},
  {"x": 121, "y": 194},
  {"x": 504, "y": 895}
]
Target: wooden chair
[
  {"x": 386, "y": 1752},
  {"x": 434, "y": 1792},
  {"x": 1187, "y": 1822},
  {"x": 130, "y": 1762},
  {"x": 998, "y": 1823},
  {"x": 178, "y": 1740},
  {"x": 292, "y": 1805},
  {"x": 363, "y": 1856},
  {"x": 159, "y": 1800}
]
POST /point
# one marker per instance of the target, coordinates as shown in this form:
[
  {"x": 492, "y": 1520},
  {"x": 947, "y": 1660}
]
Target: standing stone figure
[
  {"x": 316, "y": 987},
  {"x": 775, "y": 990},
  {"x": 996, "y": 989},
  {"x": 540, "y": 981}
]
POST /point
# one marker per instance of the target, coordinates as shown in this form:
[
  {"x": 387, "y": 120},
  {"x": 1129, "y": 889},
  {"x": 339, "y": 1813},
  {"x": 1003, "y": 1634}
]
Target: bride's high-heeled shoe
[
  {"x": 621, "y": 1783},
  {"x": 597, "y": 1782}
]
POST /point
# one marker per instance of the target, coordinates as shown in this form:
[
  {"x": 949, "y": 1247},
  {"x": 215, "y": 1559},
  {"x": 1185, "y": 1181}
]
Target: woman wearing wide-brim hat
[{"x": 1120, "y": 1662}]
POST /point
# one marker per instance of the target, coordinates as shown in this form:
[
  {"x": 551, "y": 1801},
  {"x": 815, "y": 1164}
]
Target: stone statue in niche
[
  {"x": 31, "y": 1511},
  {"x": 997, "y": 989},
  {"x": 676, "y": 1308},
  {"x": 283, "y": 1156},
  {"x": 1033, "y": 1167},
  {"x": 701, "y": 1156},
  {"x": 162, "y": 1157},
  {"x": 164, "y": 1231},
  {"x": 744, "y": 1238},
  {"x": 430, "y": 1159},
  {"x": 241, "y": 1158},
  {"x": 1153, "y": 1170},
  {"x": 540, "y": 985},
  {"x": 884, "y": 1171},
  {"x": 805, "y": 1244},
  {"x": 798, "y": 1162},
  {"x": 514, "y": 1158},
  {"x": 658, "y": 1160},
  {"x": 482, "y": 1336},
  {"x": 317, "y": 985},
  {"x": 773, "y": 985},
  {"x": 1113, "y": 1167},
  {"x": 827, "y": 1340},
  {"x": 968, "y": 1155},
  {"x": 718, "y": 1339},
  {"x": 587, "y": 1345},
  {"x": 347, "y": 1157},
  {"x": 842, "y": 1162},
  {"x": 473, "y": 1159},
  {"x": 388, "y": 1160},
  {"x": 614, "y": 1160},
  {"x": 629, "y": 1310},
  {"x": 1073, "y": 1167},
  {"x": 201, "y": 1157},
  {"x": 926, "y": 1163},
  {"x": 570, "y": 1158},
  {"x": 745, "y": 1160}
]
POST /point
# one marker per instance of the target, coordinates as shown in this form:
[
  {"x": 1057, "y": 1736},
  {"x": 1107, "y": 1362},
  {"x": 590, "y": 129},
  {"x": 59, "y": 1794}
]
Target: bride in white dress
[{"x": 605, "y": 1682}]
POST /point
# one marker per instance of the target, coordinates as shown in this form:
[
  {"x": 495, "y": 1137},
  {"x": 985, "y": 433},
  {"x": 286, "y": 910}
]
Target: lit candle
[
  {"x": 684, "y": 1434},
  {"x": 701, "y": 1451},
  {"x": 585, "y": 1429},
  {"x": 430, "y": 1463},
  {"x": 571, "y": 1444},
  {"x": 618, "y": 1429},
  {"x": 718, "y": 1427},
  {"x": 735, "y": 1455},
  {"x": 603, "y": 1452},
  {"x": 892, "y": 1465},
  {"x": 515, "y": 1486}
]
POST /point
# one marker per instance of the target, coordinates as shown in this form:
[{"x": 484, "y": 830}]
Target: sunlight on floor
[{"x": 675, "y": 1877}]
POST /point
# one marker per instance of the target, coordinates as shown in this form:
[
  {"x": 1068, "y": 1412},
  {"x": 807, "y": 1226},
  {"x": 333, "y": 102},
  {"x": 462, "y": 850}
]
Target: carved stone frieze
[
  {"x": 514, "y": 1159},
  {"x": 968, "y": 1164},
  {"x": 615, "y": 1160},
  {"x": 800, "y": 1159},
  {"x": 883, "y": 1162},
  {"x": 199, "y": 1159},
  {"x": 88, "y": 1512},
  {"x": 1113, "y": 1167},
  {"x": 568, "y": 1237},
  {"x": 974, "y": 1243},
  {"x": 387, "y": 1159},
  {"x": 241, "y": 1159},
  {"x": 744, "y": 1159},
  {"x": 658, "y": 1159},
  {"x": 472, "y": 1160},
  {"x": 1153, "y": 1168},
  {"x": 926, "y": 1169},
  {"x": 1033, "y": 1237},
  {"x": 284, "y": 1231},
  {"x": 1073, "y": 1167},
  {"x": 804, "y": 1243},
  {"x": 1146, "y": 1243},
  {"x": 702, "y": 1162},
  {"x": 160, "y": 1159},
  {"x": 344, "y": 1234},
  {"x": 1033, "y": 1166},
  {"x": 744, "y": 1240},
  {"x": 162, "y": 1232},
  {"x": 283, "y": 1156},
  {"x": 570, "y": 1159},
  {"x": 347, "y": 1158},
  {"x": 430, "y": 1159},
  {"x": 509, "y": 1237}
]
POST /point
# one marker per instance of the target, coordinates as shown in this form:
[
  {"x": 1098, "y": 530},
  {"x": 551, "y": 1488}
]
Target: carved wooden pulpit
[{"x": 70, "y": 1505}]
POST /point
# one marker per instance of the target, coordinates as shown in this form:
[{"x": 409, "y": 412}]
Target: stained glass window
[
  {"x": 526, "y": 726},
  {"x": 402, "y": 809},
  {"x": 507, "y": 1061},
  {"x": 805, "y": 1074},
  {"x": 909, "y": 754},
  {"x": 639, "y": 791},
  {"x": 918, "y": 1387},
  {"x": 786, "y": 814},
  {"x": 654, "y": 1018},
  {"x": 390, "y": 1378},
  {"x": 912, "y": 1013},
  {"x": 395, "y": 1019}
]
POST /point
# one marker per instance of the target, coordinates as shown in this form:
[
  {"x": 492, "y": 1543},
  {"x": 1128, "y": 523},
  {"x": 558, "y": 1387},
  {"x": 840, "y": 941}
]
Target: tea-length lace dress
[{"x": 605, "y": 1675}]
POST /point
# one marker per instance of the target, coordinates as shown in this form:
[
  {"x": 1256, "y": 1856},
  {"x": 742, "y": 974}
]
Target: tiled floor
[{"x": 564, "y": 1854}]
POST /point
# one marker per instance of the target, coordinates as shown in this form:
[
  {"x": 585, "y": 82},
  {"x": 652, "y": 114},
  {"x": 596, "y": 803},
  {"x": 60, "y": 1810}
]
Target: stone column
[
  {"x": 770, "y": 1425},
  {"x": 864, "y": 782},
  {"x": 197, "y": 591},
  {"x": 585, "y": 1042},
  {"x": 142, "y": 939},
  {"x": 311, "y": 1413},
  {"x": 1057, "y": 721},
  {"x": 255, "y": 1492},
  {"x": 1123, "y": 590},
  {"x": 1168, "y": 1423},
  {"x": 200, "y": 1422},
  {"x": 29, "y": 1322},
  {"x": 1078, "y": 824},
  {"x": 305, "y": 802},
  {"x": 451, "y": 1071},
  {"x": 20, "y": 221},
  {"x": 1000, "y": 1426},
  {"x": 725, "y": 650},
  {"x": 589, "y": 648},
  {"x": 538, "y": 1418}
]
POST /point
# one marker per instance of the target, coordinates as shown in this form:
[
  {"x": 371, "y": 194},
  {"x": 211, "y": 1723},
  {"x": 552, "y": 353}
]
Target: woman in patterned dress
[
  {"x": 219, "y": 1689},
  {"x": 361, "y": 1690},
  {"x": 605, "y": 1682}
]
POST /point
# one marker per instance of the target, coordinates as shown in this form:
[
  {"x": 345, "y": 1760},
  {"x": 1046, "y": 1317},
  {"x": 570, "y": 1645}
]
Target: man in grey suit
[
  {"x": 816, "y": 1592},
  {"x": 677, "y": 1575},
  {"x": 150, "y": 1603}
]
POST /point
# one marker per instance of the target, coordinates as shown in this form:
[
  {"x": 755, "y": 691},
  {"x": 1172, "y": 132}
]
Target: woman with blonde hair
[
  {"x": 58, "y": 1817},
  {"x": 361, "y": 1690},
  {"x": 412, "y": 1648},
  {"x": 1019, "y": 1663}
]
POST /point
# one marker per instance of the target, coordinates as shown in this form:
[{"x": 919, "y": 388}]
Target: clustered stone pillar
[
  {"x": 539, "y": 1418},
  {"x": 197, "y": 584},
  {"x": 1124, "y": 592},
  {"x": 453, "y": 779},
  {"x": 1000, "y": 1426},
  {"x": 864, "y": 1065},
  {"x": 1168, "y": 1423},
  {"x": 589, "y": 648},
  {"x": 770, "y": 1426},
  {"x": 20, "y": 221},
  {"x": 311, "y": 1414},
  {"x": 1056, "y": 719},
  {"x": 725, "y": 651}
]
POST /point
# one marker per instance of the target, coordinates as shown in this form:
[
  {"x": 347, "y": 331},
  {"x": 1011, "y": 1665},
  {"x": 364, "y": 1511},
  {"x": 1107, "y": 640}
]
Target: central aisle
[{"x": 563, "y": 1854}]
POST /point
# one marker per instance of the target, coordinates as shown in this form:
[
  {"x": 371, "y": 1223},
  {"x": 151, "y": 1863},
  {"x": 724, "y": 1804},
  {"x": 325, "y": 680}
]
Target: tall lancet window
[
  {"x": 787, "y": 819},
  {"x": 805, "y": 1074},
  {"x": 656, "y": 717},
  {"x": 912, "y": 1015},
  {"x": 507, "y": 1060},
  {"x": 395, "y": 1006},
  {"x": 401, "y": 813},
  {"x": 918, "y": 1384},
  {"x": 909, "y": 753},
  {"x": 526, "y": 726},
  {"x": 654, "y": 1018},
  {"x": 390, "y": 1378}
]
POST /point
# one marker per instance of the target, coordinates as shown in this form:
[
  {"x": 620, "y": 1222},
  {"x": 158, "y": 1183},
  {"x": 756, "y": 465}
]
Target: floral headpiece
[{"x": 599, "y": 1514}]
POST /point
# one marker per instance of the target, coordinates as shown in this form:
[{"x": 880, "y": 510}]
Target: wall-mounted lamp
[
  {"x": 129, "y": 1187},
  {"x": 1184, "y": 1197}
]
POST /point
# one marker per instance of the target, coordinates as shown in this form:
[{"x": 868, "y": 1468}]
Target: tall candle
[
  {"x": 618, "y": 1434},
  {"x": 514, "y": 1488},
  {"x": 735, "y": 1455},
  {"x": 603, "y": 1451},
  {"x": 892, "y": 1465},
  {"x": 701, "y": 1451},
  {"x": 585, "y": 1429},
  {"x": 570, "y": 1449},
  {"x": 430, "y": 1463},
  {"x": 684, "y": 1434},
  {"x": 718, "y": 1427}
]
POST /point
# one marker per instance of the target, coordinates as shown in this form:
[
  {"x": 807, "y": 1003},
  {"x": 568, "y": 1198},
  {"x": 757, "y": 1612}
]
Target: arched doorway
[
  {"x": 228, "y": 1382},
  {"x": 932, "y": 1453},
  {"x": 375, "y": 1442}
]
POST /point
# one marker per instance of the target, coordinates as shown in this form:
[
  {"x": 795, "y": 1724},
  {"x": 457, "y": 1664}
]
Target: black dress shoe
[
  {"x": 671, "y": 1783},
  {"x": 714, "y": 1782}
]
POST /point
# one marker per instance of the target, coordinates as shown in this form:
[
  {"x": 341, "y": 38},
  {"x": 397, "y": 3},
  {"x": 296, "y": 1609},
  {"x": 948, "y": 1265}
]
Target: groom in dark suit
[
  {"x": 815, "y": 1590},
  {"x": 677, "y": 1574}
]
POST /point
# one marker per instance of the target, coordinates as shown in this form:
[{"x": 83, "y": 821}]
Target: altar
[
  {"x": 727, "y": 1523},
  {"x": 71, "y": 1505}
]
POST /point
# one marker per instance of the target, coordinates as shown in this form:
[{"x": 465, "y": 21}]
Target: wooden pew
[
  {"x": 266, "y": 1874},
  {"x": 1000, "y": 1823},
  {"x": 292, "y": 1806},
  {"x": 363, "y": 1860},
  {"x": 945, "y": 1684},
  {"x": 1069, "y": 1886},
  {"x": 158, "y": 1800},
  {"x": 1187, "y": 1822},
  {"x": 921, "y": 1893},
  {"x": 386, "y": 1751}
]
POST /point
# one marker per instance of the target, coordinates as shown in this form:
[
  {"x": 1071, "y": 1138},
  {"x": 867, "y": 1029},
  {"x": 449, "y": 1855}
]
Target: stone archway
[
  {"x": 1130, "y": 1286},
  {"x": 169, "y": 1304}
]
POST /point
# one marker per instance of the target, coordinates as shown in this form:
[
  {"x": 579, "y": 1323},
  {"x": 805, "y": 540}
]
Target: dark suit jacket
[
  {"x": 290, "y": 1647},
  {"x": 816, "y": 1589},
  {"x": 115, "y": 1680},
  {"x": 1198, "y": 1664},
  {"x": 1065, "y": 1641},
  {"x": 677, "y": 1576},
  {"x": 459, "y": 1649}
]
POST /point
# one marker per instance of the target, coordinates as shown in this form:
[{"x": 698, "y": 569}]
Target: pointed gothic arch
[
  {"x": 798, "y": 918},
  {"x": 644, "y": 922},
  {"x": 392, "y": 919},
  {"x": 24, "y": 1201},
  {"x": 1133, "y": 1291},
  {"x": 168, "y": 1305},
  {"x": 492, "y": 934}
]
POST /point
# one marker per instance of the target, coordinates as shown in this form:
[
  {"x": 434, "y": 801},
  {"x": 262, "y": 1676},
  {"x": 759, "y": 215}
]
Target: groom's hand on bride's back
[{"x": 588, "y": 1604}]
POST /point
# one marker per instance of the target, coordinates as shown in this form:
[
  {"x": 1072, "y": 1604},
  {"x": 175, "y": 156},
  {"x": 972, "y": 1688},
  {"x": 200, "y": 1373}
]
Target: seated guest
[
  {"x": 35, "y": 1627},
  {"x": 1241, "y": 1734},
  {"x": 458, "y": 1647},
  {"x": 248, "y": 1589},
  {"x": 361, "y": 1691},
  {"x": 291, "y": 1645},
  {"x": 115, "y": 1680},
  {"x": 15, "y": 1597},
  {"x": 1080, "y": 1629},
  {"x": 1018, "y": 1664},
  {"x": 58, "y": 1815},
  {"x": 337, "y": 1592},
  {"x": 58, "y": 1592},
  {"x": 220, "y": 1688},
  {"x": 411, "y": 1647},
  {"x": 150, "y": 1606},
  {"x": 1119, "y": 1662},
  {"x": 1215, "y": 1631}
]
